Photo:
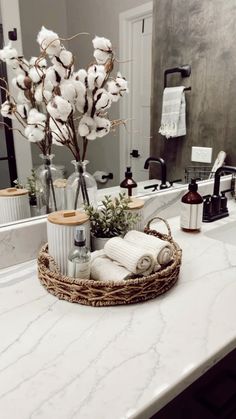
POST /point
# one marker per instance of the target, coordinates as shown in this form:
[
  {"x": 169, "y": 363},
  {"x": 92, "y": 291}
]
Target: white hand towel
[
  {"x": 163, "y": 250},
  {"x": 104, "y": 269},
  {"x": 129, "y": 255},
  {"x": 173, "y": 119}
]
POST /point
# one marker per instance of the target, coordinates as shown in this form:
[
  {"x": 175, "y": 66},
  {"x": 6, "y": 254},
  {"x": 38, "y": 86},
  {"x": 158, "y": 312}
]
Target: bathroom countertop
[{"x": 67, "y": 361}]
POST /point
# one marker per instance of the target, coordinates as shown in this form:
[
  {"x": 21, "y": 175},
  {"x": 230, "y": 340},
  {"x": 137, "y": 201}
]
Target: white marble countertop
[{"x": 67, "y": 361}]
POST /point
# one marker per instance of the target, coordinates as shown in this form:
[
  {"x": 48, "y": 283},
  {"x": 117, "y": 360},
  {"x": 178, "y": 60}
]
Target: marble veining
[{"x": 67, "y": 361}]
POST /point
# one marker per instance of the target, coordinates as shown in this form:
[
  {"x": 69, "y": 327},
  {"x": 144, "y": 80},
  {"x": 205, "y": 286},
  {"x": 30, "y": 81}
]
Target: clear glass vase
[
  {"x": 81, "y": 187},
  {"x": 46, "y": 175}
]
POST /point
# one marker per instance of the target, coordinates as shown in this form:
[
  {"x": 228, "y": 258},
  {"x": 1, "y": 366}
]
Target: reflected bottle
[
  {"x": 81, "y": 187},
  {"x": 46, "y": 175}
]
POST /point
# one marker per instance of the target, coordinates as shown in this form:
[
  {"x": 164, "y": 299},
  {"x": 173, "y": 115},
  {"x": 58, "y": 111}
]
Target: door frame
[{"x": 126, "y": 20}]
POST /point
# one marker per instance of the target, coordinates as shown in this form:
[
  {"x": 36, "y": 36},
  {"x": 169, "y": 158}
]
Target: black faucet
[
  {"x": 163, "y": 184},
  {"x": 215, "y": 206}
]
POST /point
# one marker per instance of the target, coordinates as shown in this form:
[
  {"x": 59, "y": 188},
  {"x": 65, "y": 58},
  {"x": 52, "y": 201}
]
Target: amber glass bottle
[{"x": 191, "y": 209}]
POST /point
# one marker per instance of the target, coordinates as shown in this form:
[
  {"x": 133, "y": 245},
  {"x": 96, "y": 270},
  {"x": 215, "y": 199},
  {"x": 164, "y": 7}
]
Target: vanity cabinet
[{"x": 212, "y": 396}]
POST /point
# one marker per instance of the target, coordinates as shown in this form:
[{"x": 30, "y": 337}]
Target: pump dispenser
[
  {"x": 79, "y": 257},
  {"x": 191, "y": 209},
  {"x": 128, "y": 185}
]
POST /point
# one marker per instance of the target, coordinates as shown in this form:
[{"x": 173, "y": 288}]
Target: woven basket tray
[{"x": 103, "y": 293}]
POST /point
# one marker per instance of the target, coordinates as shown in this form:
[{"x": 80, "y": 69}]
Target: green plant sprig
[{"x": 114, "y": 218}]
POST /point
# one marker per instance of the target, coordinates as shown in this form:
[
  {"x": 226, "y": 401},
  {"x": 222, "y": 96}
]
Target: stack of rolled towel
[{"x": 137, "y": 254}]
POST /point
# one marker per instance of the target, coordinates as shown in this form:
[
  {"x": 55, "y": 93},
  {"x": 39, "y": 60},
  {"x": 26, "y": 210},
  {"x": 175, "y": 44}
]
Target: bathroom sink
[{"x": 225, "y": 233}]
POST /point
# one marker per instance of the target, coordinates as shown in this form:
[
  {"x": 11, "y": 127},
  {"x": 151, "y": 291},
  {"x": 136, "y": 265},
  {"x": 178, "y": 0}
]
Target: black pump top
[
  {"x": 128, "y": 173},
  {"x": 193, "y": 186}
]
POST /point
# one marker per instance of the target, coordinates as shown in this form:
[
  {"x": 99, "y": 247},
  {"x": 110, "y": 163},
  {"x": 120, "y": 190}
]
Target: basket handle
[{"x": 164, "y": 221}]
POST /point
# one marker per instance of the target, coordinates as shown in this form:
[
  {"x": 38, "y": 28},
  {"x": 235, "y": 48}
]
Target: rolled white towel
[
  {"x": 104, "y": 269},
  {"x": 132, "y": 257},
  {"x": 163, "y": 250}
]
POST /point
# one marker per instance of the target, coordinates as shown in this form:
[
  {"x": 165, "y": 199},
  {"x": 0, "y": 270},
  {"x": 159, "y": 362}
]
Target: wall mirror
[{"x": 148, "y": 37}]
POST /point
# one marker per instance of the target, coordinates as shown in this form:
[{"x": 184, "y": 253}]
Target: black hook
[{"x": 12, "y": 35}]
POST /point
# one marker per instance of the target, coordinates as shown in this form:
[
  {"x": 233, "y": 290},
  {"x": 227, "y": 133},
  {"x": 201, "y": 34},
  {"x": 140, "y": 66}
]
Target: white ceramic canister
[
  {"x": 60, "y": 230},
  {"x": 136, "y": 207},
  {"x": 14, "y": 205}
]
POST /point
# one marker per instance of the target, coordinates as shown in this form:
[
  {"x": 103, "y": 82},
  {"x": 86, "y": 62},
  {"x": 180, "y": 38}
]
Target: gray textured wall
[{"x": 201, "y": 33}]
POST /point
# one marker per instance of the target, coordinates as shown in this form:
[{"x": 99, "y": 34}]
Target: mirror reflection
[{"x": 130, "y": 128}]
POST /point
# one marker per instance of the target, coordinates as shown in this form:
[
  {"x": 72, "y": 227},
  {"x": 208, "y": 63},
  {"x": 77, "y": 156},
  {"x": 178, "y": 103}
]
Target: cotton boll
[
  {"x": 67, "y": 58},
  {"x": 87, "y": 127},
  {"x": 59, "y": 108},
  {"x": 97, "y": 74},
  {"x": 21, "y": 98},
  {"x": 102, "y": 43},
  {"x": 7, "y": 110},
  {"x": 42, "y": 94},
  {"x": 114, "y": 90},
  {"x": 36, "y": 117},
  {"x": 20, "y": 81},
  {"x": 50, "y": 76},
  {"x": 122, "y": 83},
  {"x": 39, "y": 62},
  {"x": 8, "y": 53},
  {"x": 92, "y": 135},
  {"x": 68, "y": 90},
  {"x": 60, "y": 70},
  {"x": 84, "y": 104},
  {"x": 103, "y": 126},
  {"x": 49, "y": 41},
  {"x": 36, "y": 135},
  {"x": 36, "y": 74},
  {"x": 102, "y": 100},
  {"x": 81, "y": 76},
  {"x": 23, "y": 110},
  {"x": 101, "y": 56}
]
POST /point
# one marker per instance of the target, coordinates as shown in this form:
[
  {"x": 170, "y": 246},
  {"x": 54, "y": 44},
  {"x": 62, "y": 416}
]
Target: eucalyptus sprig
[{"x": 113, "y": 218}]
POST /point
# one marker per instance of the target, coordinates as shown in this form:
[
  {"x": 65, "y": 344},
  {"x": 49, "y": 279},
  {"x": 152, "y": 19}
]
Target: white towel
[
  {"x": 163, "y": 250},
  {"x": 173, "y": 119},
  {"x": 132, "y": 257},
  {"x": 104, "y": 269}
]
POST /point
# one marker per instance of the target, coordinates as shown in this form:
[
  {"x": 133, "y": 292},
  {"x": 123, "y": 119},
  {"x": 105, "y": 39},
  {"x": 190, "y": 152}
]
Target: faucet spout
[
  {"x": 163, "y": 169},
  {"x": 221, "y": 169}
]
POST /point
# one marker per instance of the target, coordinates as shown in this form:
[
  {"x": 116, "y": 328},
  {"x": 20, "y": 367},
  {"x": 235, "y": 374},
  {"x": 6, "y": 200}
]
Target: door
[
  {"x": 141, "y": 96},
  {"x": 7, "y": 153}
]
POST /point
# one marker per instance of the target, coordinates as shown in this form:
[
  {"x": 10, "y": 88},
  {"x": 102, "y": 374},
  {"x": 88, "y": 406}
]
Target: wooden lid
[
  {"x": 8, "y": 192},
  {"x": 136, "y": 204},
  {"x": 68, "y": 218}
]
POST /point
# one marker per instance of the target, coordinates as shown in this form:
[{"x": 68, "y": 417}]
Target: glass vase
[
  {"x": 47, "y": 174},
  {"x": 81, "y": 187}
]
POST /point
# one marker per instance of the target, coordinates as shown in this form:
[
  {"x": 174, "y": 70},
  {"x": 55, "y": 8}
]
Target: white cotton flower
[
  {"x": 96, "y": 76},
  {"x": 87, "y": 127},
  {"x": 8, "y": 53},
  {"x": 7, "y": 110},
  {"x": 114, "y": 90},
  {"x": 19, "y": 81},
  {"x": 35, "y": 61},
  {"x": 102, "y": 100},
  {"x": 23, "y": 110},
  {"x": 49, "y": 41},
  {"x": 59, "y": 108},
  {"x": 21, "y": 98},
  {"x": 34, "y": 134},
  {"x": 81, "y": 76},
  {"x": 52, "y": 78},
  {"x": 36, "y": 117},
  {"x": 122, "y": 83},
  {"x": 41, "y": 93},
  {"x": 36, "y": 74},
  {"x": 66, "y": 58},
  {"x": 103, "y": 126},
  {"x": 101, "y": 56},
  {"x": 61, "y": 72},
  {"x": 102, "y": 43},
  {"x": 68, "y": 90},
  {"x": 84, "y": 104}
]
